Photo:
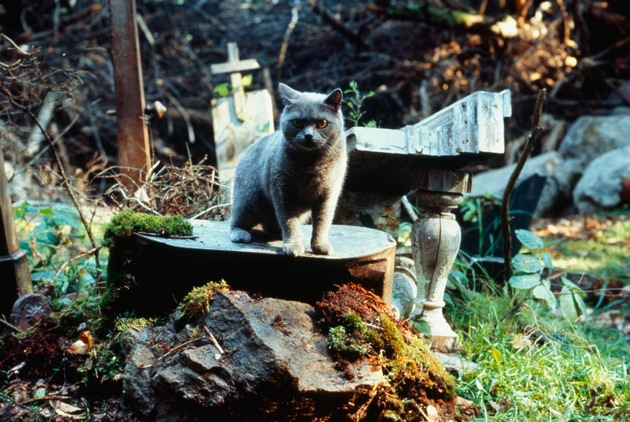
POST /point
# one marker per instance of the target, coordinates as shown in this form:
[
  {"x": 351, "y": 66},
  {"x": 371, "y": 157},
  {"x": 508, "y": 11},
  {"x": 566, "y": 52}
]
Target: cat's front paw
[
  {"x": 240, "y": 236},
  {"x": 293, "y": 249},
  {"x": 322, "y": 248}
]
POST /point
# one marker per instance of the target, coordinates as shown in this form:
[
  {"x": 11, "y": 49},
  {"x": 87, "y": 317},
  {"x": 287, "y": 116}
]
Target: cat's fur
[{"x": 296, "y": 172}]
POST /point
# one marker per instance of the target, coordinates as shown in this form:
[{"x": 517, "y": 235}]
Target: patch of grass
[
  {"x": 558, "y": 371},
  {"x": 604, "y": 254},
  {"x": 595, "y": 257}
]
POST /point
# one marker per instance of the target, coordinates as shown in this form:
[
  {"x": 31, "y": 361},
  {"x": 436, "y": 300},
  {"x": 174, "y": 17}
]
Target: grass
[
  {"x": 536, "y": 365},
  {"x": 561, "y": 372},
  {"x": 601, "y": 249}
]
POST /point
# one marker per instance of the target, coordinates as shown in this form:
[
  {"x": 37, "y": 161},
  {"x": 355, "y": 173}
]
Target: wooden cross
[{"x": 234, "y": 66}]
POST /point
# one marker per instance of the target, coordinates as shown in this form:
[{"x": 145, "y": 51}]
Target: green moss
[
  {"x": 122, "y": 324},
  {"x": 392, "y": 339},
  {"x": 354, "y": 322},
  {"x": 196, "y": 303},
  {"x": 341, "y": 342},
  {"x": 127, "y": 221}
]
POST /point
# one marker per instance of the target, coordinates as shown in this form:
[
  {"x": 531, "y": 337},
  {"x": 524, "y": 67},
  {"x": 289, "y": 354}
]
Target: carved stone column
[{"x": 436, "y": 237}]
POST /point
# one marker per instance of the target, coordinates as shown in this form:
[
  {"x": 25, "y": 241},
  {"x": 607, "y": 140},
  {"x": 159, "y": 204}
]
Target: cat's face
[{"x": 309, "y": 121}]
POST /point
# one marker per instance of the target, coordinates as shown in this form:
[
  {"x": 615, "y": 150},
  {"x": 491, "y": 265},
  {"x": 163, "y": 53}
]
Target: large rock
[
  {"x": 591, "y": 136},
  {"x": 556, "y": 193},
  {"x": 600, "y": 187},
  {"x": 269, "y": 362}
]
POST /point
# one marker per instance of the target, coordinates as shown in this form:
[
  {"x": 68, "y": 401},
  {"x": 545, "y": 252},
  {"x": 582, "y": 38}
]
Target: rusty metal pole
[
  {"x": 134, "y": 153},
  {"x": 15, "y": 276}
]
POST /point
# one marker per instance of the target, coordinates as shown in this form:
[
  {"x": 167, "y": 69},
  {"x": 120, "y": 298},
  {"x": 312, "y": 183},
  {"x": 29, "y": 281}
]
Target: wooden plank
[
  {"x": 229, "y": 67},
  {"x": 471, "y": 125},
  {"x": 134, "y": 153},
  {"x": 377, "y": 140},
  {"x": 15, "y": 276}
]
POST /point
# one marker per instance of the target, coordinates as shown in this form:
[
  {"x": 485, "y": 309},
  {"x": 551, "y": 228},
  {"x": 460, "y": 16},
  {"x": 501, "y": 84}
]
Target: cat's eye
[
  {"x": 320, "y": 124},
  {"x": 297, "y": 123}
]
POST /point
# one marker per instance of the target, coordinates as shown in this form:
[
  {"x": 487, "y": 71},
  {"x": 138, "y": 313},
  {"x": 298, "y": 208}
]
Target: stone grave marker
[{"x": 241, "y": 117}]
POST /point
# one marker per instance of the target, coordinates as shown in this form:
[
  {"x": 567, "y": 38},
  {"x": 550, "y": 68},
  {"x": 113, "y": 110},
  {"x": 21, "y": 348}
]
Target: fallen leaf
[
  {"x": 69, "y": 411},
  {"x": 520, "y": 342},
  {"x": 78, "y": 348},
  {"x": 83, "y": 346}
]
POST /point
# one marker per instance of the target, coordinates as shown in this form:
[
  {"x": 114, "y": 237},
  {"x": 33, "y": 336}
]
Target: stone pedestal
[{"x": 436, "y": 237}]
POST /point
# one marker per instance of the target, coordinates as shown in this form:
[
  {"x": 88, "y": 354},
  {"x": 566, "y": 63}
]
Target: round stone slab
[
  {"x": 157, "y": 272},
  {"x": 349, "y": 242}
]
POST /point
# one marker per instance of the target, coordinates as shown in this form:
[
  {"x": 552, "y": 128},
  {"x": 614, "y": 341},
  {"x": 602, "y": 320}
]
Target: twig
[
  {"x": 17, "y": 47},
  {"x": 214, "y": 340},
  {"x": 285, "y": 40},
  {"x": 44, "y": 116},
  {"x": 533, "y": 136},
  {"x": 337, "y": 25},
  {"x": 7, "y": 324},
  {"x": 45, "y": 398},
  {"x": 207, "y": 210},
  {"x": 64, "y": 177},
  {"x": 57, "y": 138},
  {"x": 177, "y": 348}
]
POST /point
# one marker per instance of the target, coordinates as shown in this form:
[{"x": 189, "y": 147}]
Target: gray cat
[{"x": 293, "y": 173}]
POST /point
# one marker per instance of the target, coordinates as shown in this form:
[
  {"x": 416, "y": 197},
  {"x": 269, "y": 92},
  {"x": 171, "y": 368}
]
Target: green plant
[
  {"x": 56, "y": 243},
  {"x": 354, "y": 102},
  {"x": 472, "y": 210},
  {"x": 196, "y": 303},
  {"x": 528, "y": 267},
  {"x": 223, "y": 89}
]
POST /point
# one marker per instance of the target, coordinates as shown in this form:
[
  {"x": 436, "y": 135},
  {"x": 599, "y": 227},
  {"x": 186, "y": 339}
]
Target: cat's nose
[{"x": 308, "y": 137}]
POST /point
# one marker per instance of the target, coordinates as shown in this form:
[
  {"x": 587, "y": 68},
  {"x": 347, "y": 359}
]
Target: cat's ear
[
  {"x": 334, "y": 99},
  {"x": 287, "y": 94}
]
